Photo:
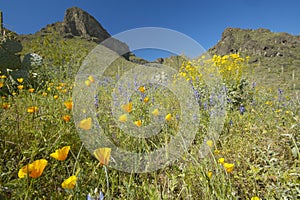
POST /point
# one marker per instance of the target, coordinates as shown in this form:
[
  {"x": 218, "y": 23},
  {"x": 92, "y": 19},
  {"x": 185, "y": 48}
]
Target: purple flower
[
  {"x": 196, "y": 94},
  {"x": 242, "y": 109},
  {"x": 96, "y": 197},
  {"x": 96, "y": 101},
  {"x": 205, "y": 106}
]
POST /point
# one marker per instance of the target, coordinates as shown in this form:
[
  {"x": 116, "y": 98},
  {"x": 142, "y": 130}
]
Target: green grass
[{"x": 263, "y": 143}]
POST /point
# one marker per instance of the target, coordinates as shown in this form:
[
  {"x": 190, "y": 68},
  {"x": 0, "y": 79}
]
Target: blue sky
[{"x": 203, "y": 21}]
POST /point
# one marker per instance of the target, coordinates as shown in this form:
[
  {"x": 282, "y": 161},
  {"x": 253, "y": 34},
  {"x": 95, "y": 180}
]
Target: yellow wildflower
[
  {"x": 86, "y": 124},
  {"x": 221, "y": 160},
  {"x": 228, "y": 167},
  {"x": 66, "y": 118},
  {"x": 5, "y": 105},
  {"x": 146, "y": 99},
  {"x": 68, "y": 104},
  {"x": 20, "y": 80},
  {"x": 87, "y": 83},
  {"x": 61, "y": 154},
  {"x": 123, "y": 118},
  {"x": 59, "y": 87},
  {"x": 32, "y": 109},
  {"x": 268, "y": 103},
  {"x": 20, "y": 87},
  {"x": 69, "y": 183},
  {"x": 168, "y": 117},
  {"x": 209, "y": 174},
  {"x": 142, "y": 89},
  {"x": 34, "y": 169},
  {"x": 216, "y": 151},
  {"x": 210, "y": 143},
  {"x": 31, "y": 90},
  {"x": 103, "y": 155},
  {"x": 91, "y": 79},
  {"x": 138, "y": 123},
  {"x": 127, "y": 107},
  {"x": 155, "y": 112}
]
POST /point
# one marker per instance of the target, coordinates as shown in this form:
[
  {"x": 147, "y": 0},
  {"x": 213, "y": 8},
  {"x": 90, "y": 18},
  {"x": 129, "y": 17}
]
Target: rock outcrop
[
  {"x": 261, "y": 42},
  {"x": 79, "y": 23}
]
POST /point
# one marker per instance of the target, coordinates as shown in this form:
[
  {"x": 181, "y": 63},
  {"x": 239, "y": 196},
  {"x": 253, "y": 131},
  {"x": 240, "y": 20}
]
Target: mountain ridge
[{"x": 258, "y": 42}]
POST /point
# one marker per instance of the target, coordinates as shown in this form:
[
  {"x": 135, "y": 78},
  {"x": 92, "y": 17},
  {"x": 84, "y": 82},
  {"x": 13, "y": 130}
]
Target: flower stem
[{"x": 107, "y": 183}]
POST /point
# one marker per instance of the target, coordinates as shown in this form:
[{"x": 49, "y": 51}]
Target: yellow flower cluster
[
  {"x": 227, "y": 166},
  {"x": 229, "y": 67},
  {"x": 190, "y": 71},
  {"x": 32, "y": 109}
]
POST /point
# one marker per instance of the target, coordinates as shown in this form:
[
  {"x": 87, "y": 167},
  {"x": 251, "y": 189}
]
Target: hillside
[{"x": 275, "y": 57}]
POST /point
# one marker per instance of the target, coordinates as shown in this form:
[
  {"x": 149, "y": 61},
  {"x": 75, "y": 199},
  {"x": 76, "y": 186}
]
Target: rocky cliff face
[{"x": 78, "y": 23}]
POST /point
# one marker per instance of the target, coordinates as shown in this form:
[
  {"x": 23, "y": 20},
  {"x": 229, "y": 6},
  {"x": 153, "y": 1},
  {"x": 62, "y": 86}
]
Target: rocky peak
[{"x": 77, "y": 22}]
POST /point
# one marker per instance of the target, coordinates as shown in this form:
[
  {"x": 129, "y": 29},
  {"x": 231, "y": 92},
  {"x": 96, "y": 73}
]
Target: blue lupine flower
[
  {"x": 205, "y": 106},
  {"x": 96, "y": 101},
  {"x": 196, "y": 94},
  {"x": 242, "y": 109},
  {"x": 95, "y": 196}
]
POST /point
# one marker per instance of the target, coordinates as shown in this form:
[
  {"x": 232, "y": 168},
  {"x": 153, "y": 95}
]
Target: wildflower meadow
[{"x": 256, "y": 155}]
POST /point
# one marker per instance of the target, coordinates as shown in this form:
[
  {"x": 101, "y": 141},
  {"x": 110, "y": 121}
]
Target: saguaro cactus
[
  {"x": 9, "y": 49},
  {"x": 1, "y": 22}
]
